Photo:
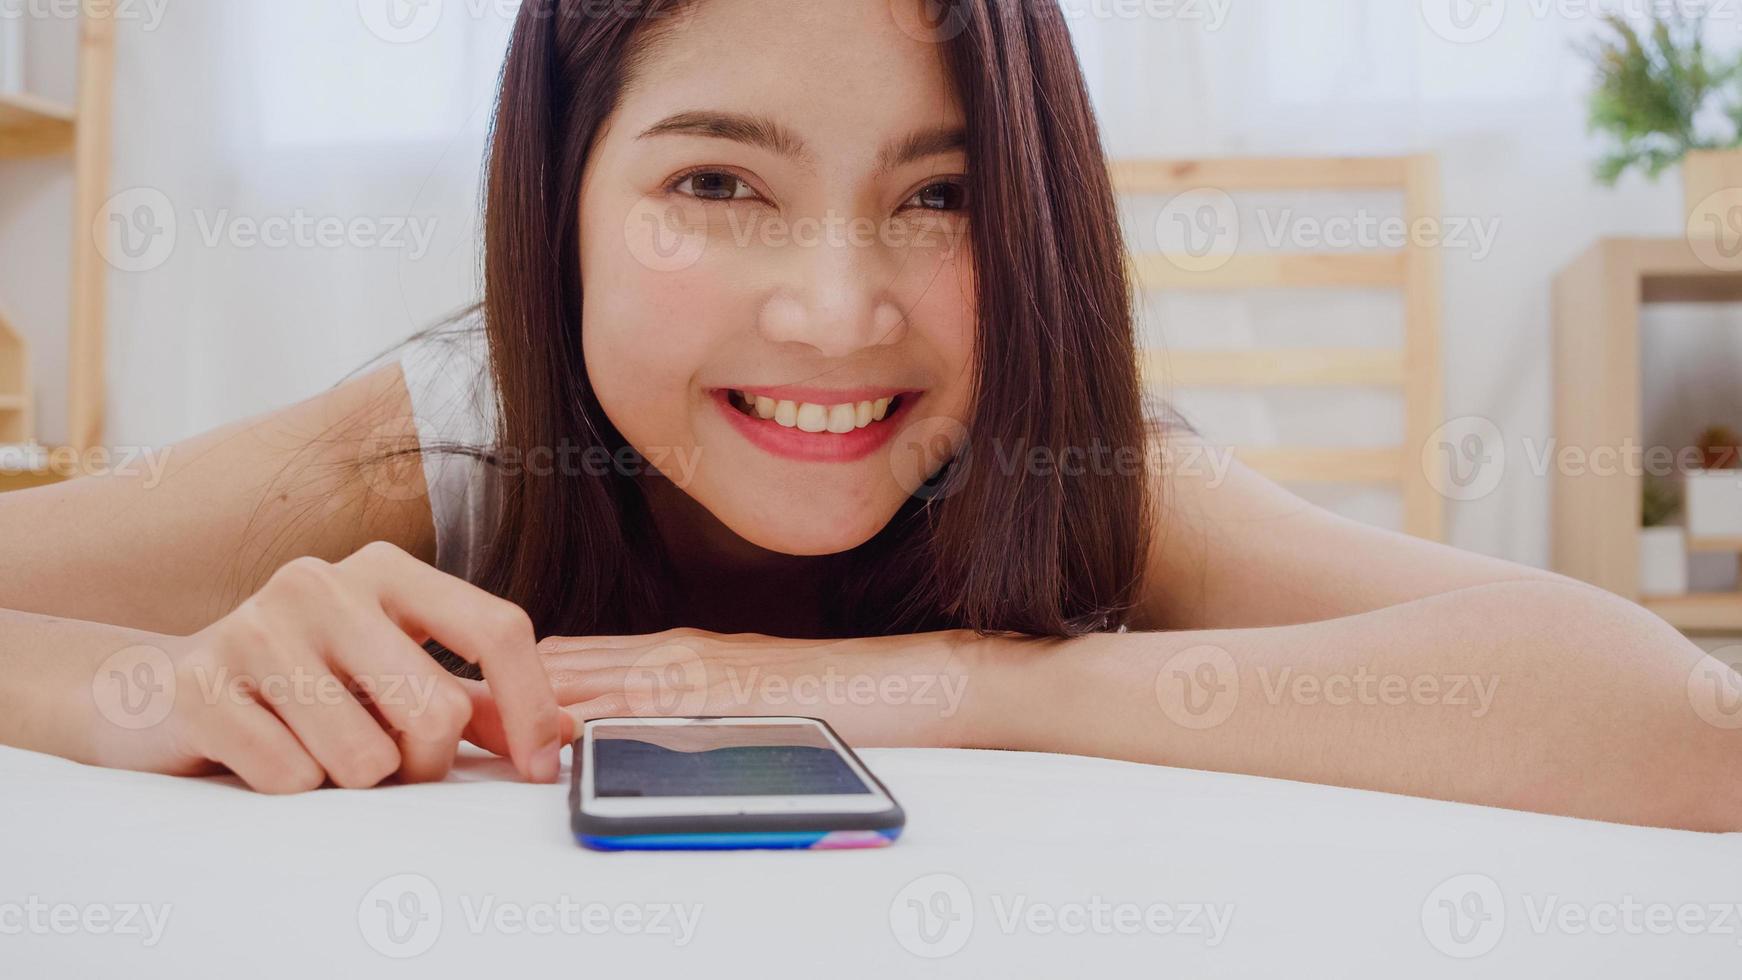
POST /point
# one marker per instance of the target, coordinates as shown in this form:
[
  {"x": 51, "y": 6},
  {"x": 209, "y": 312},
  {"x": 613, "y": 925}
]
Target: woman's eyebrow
[{"x": 772, "y": 136}]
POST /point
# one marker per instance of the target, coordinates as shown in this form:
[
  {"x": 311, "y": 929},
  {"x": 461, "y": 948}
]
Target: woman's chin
[{"x": 813, "y": 535}]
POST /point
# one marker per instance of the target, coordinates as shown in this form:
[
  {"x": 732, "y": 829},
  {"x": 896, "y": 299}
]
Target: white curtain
[{"x": 241, "y": 113}]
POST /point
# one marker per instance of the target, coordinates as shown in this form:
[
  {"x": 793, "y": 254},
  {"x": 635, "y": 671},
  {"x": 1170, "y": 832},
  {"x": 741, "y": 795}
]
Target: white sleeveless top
[{"x": 453, "y": 400}]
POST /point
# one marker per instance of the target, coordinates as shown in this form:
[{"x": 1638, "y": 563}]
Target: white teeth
[
  {"x": 809, "y": 417},
  {"x": 841, "y": 419},
  {"x": 812, "y": 418}
]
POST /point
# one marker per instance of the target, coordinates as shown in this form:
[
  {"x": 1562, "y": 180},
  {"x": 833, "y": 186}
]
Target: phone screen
[{"x": 718, "y": 760}]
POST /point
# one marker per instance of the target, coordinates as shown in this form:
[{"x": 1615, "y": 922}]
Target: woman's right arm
[{"x": 257, "y": 598}]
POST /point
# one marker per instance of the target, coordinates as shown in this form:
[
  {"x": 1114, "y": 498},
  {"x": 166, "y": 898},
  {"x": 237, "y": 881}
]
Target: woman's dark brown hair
[{"x": 989, "y": 545}]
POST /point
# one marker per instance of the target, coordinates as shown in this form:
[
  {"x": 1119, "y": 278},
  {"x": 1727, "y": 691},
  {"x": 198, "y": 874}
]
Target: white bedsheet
[{"x": 1012, "y": 865}]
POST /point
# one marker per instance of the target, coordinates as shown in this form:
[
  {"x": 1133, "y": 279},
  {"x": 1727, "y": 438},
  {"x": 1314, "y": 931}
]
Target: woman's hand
[
  {"x": 322, "y": 675},
  {"x": 922, "y": 690}
]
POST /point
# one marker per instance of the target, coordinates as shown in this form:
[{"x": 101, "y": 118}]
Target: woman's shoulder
[
  {"x": 447, "y": 374},
  {"x": 454, "y": 409}
]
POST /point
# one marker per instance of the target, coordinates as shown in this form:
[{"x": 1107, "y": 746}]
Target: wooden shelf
[
  {"x": 1281, "y": 270},
  {"x": 1713, "y": 613},
  {"x": 1715, "y": 544},
  {"x": 31, "y": 126},
  {"x": 1302, "y": 367}
]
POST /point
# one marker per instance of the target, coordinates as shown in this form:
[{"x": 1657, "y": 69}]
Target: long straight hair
[{"x": 987, "y": 546}]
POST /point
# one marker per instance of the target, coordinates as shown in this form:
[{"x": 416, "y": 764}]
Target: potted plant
[
  {"x": 1714, "y": 493},
  {"x": 1663, "y": 547},
  {"x": 1663, "y": 98}
]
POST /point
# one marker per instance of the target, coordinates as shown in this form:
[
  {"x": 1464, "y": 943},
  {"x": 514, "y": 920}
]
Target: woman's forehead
[{"x": 830, "y": 67}]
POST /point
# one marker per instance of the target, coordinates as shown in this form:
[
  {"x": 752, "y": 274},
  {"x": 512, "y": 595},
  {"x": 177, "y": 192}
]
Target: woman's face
[{"x": 779, "y": 304}]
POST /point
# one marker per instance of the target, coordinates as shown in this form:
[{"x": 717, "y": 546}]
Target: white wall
[{"x": 250, "y": 110}]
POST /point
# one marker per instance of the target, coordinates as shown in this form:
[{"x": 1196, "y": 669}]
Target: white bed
[{"x": 1012, "y": 865}]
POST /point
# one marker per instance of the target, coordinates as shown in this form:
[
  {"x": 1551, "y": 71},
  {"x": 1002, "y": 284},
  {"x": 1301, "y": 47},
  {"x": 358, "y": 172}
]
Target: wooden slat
[
  {"x": 1328, "y": 465},
  {"x": 1258, "y": 174},
  {"x": 1275, "y": 368},
  {"x": 31, "y": 126},
  {"x": 86, "y": 382},
  {"x": 1424, "y": 505},
  {"x": 1716, "y": 613},
  {"x": 1296, "y": 270},
  {"x": 1715, "y": 544}
]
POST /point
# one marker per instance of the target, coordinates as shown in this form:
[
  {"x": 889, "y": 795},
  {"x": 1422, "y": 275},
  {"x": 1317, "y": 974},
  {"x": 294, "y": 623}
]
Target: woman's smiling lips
[{"x": 817, "y": 425}]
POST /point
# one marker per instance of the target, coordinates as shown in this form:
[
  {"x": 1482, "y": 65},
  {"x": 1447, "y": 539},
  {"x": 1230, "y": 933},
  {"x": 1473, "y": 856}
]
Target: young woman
[{"x": 803, "y": 381}]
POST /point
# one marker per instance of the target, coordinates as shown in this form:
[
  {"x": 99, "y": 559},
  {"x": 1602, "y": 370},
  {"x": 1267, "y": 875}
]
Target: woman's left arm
[{"x": 1278, "y": 640}]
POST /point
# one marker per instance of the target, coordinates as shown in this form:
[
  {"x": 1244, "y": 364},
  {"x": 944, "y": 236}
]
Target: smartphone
[{"x": 725, "y": 783}]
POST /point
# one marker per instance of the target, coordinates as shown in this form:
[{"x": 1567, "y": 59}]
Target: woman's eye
[
  {"x": 941, "y": 196},
  {"x": 715, "y": 186}
]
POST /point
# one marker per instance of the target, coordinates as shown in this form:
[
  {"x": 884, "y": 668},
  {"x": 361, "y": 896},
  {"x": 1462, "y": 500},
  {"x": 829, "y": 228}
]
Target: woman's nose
[{"x": 837, "y": 299}]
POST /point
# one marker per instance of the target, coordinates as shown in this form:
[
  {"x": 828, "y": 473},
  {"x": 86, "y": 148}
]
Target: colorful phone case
[{"x": 722, "y": 832}]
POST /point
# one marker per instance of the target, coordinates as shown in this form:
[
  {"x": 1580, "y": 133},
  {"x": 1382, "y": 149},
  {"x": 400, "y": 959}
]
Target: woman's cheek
[{"x": 647, "y": 334}]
